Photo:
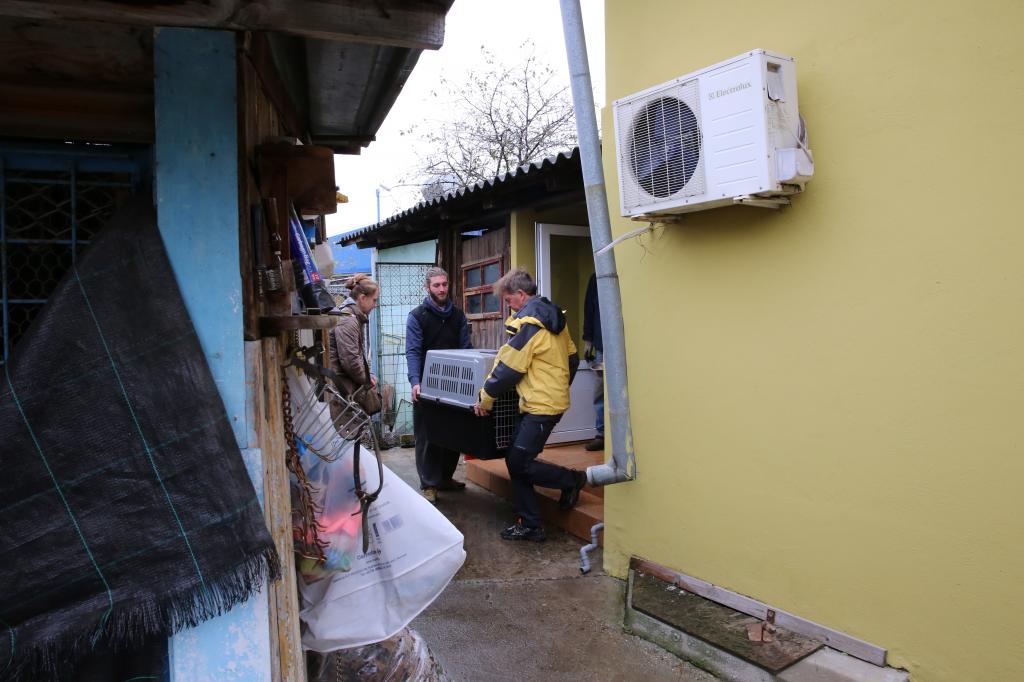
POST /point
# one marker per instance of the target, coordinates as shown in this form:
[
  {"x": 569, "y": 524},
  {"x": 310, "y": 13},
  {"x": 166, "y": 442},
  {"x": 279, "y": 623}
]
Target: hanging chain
[{"x": 306, "y": 525}]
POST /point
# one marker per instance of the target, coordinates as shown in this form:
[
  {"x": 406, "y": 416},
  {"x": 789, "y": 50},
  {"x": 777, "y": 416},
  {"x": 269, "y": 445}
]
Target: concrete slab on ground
[
  {"x": 522, "y": 611},
  {"x": 719, "y": 625}
]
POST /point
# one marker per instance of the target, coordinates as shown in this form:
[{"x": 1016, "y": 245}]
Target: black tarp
[{"x": 126, "y": 512}]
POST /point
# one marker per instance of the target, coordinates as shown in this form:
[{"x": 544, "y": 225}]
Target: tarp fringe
[{"x": 129, "y": 626}]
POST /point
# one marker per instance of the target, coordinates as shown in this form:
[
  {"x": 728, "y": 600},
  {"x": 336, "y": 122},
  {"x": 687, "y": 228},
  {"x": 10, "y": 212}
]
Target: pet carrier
[{"x": 451, "y": 383}]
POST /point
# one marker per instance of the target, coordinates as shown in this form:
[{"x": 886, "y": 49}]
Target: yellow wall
[
  {"x": 572, "y": 263},
  {"x": 827, "y": 400},
  {"x": 523, "y": 223},
  {"x": 522, "y": 236},
  {"x": 569, "y": 255}
]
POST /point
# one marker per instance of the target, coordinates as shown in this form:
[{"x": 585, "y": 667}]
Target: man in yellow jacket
[{"x": 539, "y": 360}]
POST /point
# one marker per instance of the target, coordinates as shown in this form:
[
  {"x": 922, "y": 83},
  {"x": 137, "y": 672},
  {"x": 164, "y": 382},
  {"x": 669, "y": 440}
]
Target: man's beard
[{"x": 439, "y": 301}]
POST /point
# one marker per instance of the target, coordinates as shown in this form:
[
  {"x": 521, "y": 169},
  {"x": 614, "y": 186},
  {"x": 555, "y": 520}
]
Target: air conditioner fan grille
[{"x": 660, "y": 146}]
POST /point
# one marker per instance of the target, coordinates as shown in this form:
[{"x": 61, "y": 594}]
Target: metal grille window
[
  {"x": 401, "y": 290},
  {"x": 479, "y": 301},
  {"x": 53, "y": 201}
]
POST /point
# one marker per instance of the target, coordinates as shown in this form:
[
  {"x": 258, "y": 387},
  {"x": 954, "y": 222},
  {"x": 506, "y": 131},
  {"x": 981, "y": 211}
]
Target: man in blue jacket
[{"x": 436, "y": 324}]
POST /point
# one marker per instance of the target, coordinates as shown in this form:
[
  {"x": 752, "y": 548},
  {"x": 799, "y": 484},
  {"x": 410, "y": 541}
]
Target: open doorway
[{"x": 565, "y": 262}]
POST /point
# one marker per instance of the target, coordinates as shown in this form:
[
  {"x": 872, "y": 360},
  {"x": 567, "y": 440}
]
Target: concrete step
[{"x": 493, "y": 476}]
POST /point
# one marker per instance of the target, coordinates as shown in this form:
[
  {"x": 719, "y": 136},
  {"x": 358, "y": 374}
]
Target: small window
[
  {"x": 478, "y": 280},
  {"x": 492, "y": 273}
]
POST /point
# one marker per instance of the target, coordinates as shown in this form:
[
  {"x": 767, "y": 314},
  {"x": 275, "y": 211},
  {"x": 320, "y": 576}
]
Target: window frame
[
  {"x": 482, "y": 289},
  {"x": 77, "y": 162}
]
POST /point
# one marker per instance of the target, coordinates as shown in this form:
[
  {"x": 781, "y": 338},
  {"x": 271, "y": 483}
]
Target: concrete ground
[{"x": 522, "y": 611}]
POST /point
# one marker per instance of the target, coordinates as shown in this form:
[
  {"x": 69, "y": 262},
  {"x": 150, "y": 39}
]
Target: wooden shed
[
  {"x": 228, "y": 111},
  {"x": 535, "y": 218},
  {"x": 484, "y": 230}
]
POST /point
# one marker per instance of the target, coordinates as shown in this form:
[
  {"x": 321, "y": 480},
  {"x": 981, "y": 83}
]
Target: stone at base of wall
[{"x": 825, "y": 665}]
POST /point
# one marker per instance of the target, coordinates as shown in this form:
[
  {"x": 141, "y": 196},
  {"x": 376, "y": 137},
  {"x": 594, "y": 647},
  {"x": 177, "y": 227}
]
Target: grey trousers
[{"x": 434, "y": 464}]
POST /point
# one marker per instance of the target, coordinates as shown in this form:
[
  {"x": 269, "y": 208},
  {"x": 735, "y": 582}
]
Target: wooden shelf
[{"x": 273, "y": 325}]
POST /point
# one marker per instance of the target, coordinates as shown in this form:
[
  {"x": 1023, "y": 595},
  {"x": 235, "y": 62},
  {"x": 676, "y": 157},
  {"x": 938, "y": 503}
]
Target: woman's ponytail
[{"x": 361, "y": 285}]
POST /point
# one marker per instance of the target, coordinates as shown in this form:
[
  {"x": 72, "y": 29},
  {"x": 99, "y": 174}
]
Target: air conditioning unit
[{"x": 727, "y": 134}]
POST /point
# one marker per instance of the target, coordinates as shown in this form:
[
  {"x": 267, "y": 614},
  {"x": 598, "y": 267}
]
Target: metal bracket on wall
[
  {"x": 761, "y": 202},
  {"x": 666, "y": 219}
]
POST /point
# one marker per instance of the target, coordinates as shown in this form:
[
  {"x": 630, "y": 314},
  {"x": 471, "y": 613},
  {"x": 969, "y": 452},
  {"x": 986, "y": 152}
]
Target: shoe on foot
[
  {"x": 518, "y": 531},
  {"x": 430, "y": 495},
  {"x": 570, "y": 496},
  {"x": 452, "y": 485},
  {"x": 596, "y": 444}
]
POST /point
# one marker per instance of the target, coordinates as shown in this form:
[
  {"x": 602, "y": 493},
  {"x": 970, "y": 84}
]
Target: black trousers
[
  {"x": 434, "y": 464},
  {"x": 531, "y": 434}
]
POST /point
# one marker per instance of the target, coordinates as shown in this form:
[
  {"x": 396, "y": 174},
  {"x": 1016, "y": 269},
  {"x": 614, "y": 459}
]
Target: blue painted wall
[
  {"x": 420, "y": 252},
  {"x": 197, "y": 194},
  {"x": 349, "y": 258},
  {"x": 196, "y": 178}
]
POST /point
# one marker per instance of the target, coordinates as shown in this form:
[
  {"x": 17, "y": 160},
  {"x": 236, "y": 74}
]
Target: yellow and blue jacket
[{"x": 539, "y": 360}]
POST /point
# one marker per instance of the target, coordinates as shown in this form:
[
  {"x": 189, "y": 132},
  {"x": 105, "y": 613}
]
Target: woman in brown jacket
[{"x": 348, "y": 339}]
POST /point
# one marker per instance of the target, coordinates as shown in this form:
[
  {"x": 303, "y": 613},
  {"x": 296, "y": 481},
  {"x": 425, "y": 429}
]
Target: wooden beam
[
  {"x": 344, "y": 144},
  {"x": 256, "y": 48},
  {"x": 413, "y": 24},
  {"x": 50, "y": 111},
  {"x": 90, "y": 54}
]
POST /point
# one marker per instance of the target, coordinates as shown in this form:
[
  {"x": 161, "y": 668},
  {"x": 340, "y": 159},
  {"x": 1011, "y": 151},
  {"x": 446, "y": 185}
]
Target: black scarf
[{"x": 126, "y": 513}]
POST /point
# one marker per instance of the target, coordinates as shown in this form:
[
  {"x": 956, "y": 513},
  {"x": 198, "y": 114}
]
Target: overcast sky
[{"x": 471, "y": 24}]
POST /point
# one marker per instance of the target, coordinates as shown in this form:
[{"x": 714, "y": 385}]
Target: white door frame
[{"x": 542, "y": 233}]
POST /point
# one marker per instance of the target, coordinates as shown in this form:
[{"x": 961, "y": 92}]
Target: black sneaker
[
  {"x": 518, "y": 531},
  {"x": 597, "y": 443},
  {"x": 570, "y": 496}
]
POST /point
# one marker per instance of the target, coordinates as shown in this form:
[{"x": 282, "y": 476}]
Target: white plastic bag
[
  {"x": 324, "y": 260},
  {"x": 355, "y": 599}
]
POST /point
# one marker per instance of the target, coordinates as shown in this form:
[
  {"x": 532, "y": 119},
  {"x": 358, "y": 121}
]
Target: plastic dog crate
[
  {"x": 454, "y": 377},
  {"x": 452, "y": 380}
]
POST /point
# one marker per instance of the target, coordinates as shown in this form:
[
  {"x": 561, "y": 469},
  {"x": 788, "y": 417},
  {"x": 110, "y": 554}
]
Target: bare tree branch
[{"x": 500, "y": 117}]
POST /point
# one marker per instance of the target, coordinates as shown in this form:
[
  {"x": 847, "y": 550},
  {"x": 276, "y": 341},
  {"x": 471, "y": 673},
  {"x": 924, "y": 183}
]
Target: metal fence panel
[{"x": 401, "y": 290}]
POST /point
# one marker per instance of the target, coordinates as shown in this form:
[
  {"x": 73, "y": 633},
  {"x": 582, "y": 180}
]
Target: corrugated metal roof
[{"x": 528, "y": 169}]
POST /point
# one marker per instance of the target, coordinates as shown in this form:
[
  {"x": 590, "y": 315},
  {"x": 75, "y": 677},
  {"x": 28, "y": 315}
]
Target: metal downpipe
[{"x": 621, "y": 466}]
